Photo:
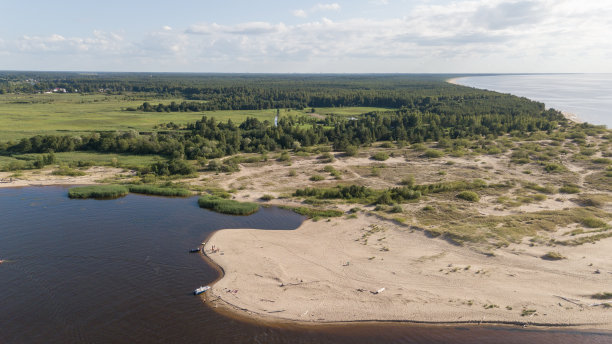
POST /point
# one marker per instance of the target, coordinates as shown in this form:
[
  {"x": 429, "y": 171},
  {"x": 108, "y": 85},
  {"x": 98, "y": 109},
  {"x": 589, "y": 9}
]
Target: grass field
[
  {"x": 92, "y": 158},
  {"x": 343, "y": 111},
  {"x": 25, "y": 115}
]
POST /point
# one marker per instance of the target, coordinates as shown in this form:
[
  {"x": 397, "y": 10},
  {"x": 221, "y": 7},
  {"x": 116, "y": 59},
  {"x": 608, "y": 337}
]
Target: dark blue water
[
  {"x": 118, "y": 271},
  {"x": 588, "y": 96}
]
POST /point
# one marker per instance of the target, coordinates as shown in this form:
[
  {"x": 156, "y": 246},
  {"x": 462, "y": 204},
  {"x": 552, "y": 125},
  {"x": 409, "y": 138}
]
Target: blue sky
[{"x": 373, "y": 36}]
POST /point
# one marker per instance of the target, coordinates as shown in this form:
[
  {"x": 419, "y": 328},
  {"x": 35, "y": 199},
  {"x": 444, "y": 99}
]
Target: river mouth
[{"x": 120, "y": 271}]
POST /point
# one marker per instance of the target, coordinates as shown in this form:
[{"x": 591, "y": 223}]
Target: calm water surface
[
  {"x": 589, "y": 96},
  {"x": 118, "y": 271}
]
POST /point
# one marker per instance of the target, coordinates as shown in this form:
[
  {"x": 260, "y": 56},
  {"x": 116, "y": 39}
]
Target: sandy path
[
  {"x": 44, "y": 177},
  {"x": 327, "y": 272}
]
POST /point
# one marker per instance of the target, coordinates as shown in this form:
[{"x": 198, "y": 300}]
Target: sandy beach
[
  {"x": 45, "y": 177},
  {"x": 369, "y": 269}
]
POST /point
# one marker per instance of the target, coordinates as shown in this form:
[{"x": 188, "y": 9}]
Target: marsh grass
[
  {"x": 314, "y": 213},
  {"x": 67, "y": 171},
  {"x": 98, "y": 191},
  {"x": 227, "y": 206},
  {"x": 461, "y": 225},
  {"x": 159, "y": 191}
]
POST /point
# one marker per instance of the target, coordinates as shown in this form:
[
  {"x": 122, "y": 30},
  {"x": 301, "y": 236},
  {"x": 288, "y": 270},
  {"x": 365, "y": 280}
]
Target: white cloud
[
  {"x": 517, "y": 35},
  {"x": 326, "y": 7},
  {"x": 316, "y": 8},
  {"x": 167, "y": 28},
  {"x": 300, "y": 13},
  {"x": 100, "y": 42}
]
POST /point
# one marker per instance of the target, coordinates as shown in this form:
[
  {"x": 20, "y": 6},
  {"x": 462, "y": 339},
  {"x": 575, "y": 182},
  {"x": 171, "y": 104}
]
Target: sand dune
[{"x": 330, "y": 272}]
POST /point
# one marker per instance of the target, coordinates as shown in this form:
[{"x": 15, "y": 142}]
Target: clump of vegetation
[
  {"x": 433, "y": 153},
  {"x": 67, "y": 171},
  {"x": 159, "y": 191},
  {"x": 602, "y": 296},
  {"x": 527, "y": 312},
  {"x": 569, "y": 189},
  {"x": 326, "y": 158},
  {"x": 227, "y": 206},
  {"x": 331, "y": 170},
  {"x": 172, "y": 167},
  {"x": 380, "y": 156},
  {"x": 266, "y": 197},
  {"x": 314, "y": 213},
  {"x": 351, "y": 150},
  {"x": 98, "y": 191},
  {"x": 591, "y": 222},
  {"x": 316, "y": 178},
  {"x": 292, "y": 173},
  {"x": 547, "y": 189},
  {"x": 605, "y": 161},
  {"x": 284, "y": 156},
  {"x": 470, "y": 196},
  {"x": 554, "y": 168},
  {"x": 552, "y": 255}
]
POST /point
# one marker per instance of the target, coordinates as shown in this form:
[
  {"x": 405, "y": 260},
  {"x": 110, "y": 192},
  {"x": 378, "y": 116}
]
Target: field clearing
[
  {"x": 26, "y": 115},
  {"x": 93, "y": 158},
  {"x": 344, "y": 111}
]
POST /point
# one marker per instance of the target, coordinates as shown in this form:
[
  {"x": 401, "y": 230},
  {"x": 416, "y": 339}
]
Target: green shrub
[
  {"x": 470, "y": 196},
  {"x": 553, "y": 256},
  {"x": 267, "y": 197},
  {"x": 314, "y": 213},
  {"x": 380, "y": 156},
  {"x": 98, "y": 191},
  {"x": 159, "y": 191},
  {"x": 351, "y": 150},
  {"x": 591, "y": 222},
  {"x": 539, "y": 188},
  {"x": 326, "y": 157},
  {"x": 316, "y": 178},
  {"x": 67, "y": 171},
  {"x": 602, "y": 296},
  {"x": 602, "y": 161},
  {"x": 227, "y": 206},
  {"x": 569, "y": 189},
  {"x": 553, "y": 167},
  {"x": 396, "y": 209},
  {"x": 284, "y": 156},
  {"x": 433, "y": 154}
]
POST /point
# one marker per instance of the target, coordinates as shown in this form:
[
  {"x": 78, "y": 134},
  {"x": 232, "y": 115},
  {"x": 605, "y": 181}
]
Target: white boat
[{"x": 200, "y": 290}]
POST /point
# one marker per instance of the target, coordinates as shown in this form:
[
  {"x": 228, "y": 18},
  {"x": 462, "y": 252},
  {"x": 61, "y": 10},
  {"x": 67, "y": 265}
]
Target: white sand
[{"x": 325, "y": 272}]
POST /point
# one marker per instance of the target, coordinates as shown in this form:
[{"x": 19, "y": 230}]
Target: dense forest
[{"x": 421, "y": 108}]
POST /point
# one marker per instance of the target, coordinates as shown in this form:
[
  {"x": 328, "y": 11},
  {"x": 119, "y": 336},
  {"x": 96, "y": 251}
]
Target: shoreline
[
  {"x": 253, "y": 290},
  {"x": 222, "y": 302},
  {"x": 572, "y": 117}
]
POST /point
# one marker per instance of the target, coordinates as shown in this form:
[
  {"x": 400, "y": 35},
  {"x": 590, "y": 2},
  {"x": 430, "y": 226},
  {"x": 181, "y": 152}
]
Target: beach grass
[
  {"x": 98, "y": 191},
  {"x": 159, "y": 191},
  {"x": 314, "y": 213},
  {"x": 67, "y": 171},
  {"x": 227, "y": 206}
]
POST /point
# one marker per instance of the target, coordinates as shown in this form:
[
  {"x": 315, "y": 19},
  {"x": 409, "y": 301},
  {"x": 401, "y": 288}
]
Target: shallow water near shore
[
  {"x": 588, "y": 96},
  {"x": 119, "y": 271}
]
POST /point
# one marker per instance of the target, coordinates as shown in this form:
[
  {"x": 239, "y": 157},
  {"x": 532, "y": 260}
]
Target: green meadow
[
  {"x": 87, "y": 159},
  {"x": 26, "y": 115}
]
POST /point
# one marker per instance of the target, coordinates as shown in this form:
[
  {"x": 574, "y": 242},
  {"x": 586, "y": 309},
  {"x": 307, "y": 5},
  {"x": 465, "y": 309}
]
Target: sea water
[
  {"x": 120, "y": 271},
  {"x": 588, "y": 96}
]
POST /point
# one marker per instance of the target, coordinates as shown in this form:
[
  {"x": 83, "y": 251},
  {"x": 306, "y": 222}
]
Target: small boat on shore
[
  {"x": 194, "y": 250},
  {"x": 200, "y": 290}
]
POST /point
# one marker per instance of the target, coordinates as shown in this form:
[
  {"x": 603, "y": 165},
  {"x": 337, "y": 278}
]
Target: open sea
[
  {"x": 588, "y": 96},
  {"x": 119, "y": 271}
]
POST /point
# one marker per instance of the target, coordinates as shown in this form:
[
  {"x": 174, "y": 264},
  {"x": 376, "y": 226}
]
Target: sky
[{"x": 357, "y": 36}]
